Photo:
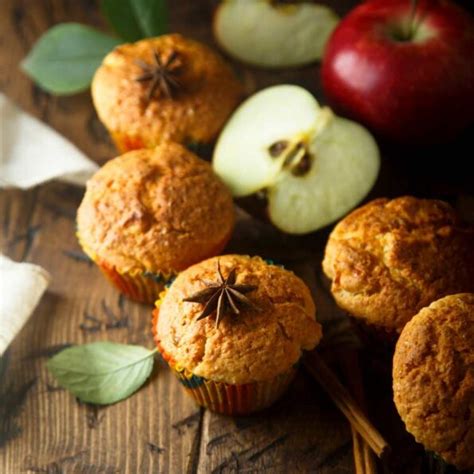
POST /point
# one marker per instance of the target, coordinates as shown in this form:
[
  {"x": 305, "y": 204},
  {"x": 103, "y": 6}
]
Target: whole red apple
[{"x": 404, "y": 68}]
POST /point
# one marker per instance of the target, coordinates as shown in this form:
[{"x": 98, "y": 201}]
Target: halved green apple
[
  {"x": 273, "y": 34},
  {"x": 312, "y": 165}
]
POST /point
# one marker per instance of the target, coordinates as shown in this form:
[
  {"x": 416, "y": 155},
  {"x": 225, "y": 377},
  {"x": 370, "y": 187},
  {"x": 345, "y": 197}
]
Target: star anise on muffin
[
  {"x": 223, "y": 297},
  {"x": 162, "y": 75}
]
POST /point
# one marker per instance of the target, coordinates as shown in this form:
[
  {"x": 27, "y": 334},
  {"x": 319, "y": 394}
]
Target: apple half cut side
[
  {"x": 312, "y": 165},
  {"x": 271, "y": 34}
]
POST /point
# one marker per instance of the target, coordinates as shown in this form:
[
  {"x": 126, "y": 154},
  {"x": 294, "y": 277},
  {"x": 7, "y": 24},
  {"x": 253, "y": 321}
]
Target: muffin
[
  {"x": 235, "y": 357},
  {"x": 165, "y": 88},
  {"x": 390, "y": 258},
  {"x": 433, "y": 378},
  {"x": 149, "y": 214}
]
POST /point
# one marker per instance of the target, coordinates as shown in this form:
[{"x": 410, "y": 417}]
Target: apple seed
[
  {"x": 298, "y": 159},
  {"x": 303, "y": 166},
  {"x": 277, "y": 148}
]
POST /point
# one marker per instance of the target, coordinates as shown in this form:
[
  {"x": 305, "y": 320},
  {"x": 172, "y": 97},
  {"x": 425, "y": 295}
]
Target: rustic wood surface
[{"x": 42, "y": 427}]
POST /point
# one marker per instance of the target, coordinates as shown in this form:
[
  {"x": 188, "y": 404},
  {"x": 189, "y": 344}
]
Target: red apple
[{"x": 406, "y": 71}]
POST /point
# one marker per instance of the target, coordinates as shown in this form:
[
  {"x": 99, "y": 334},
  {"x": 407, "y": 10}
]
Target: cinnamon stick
[
  {"x": 364, "y": 459},
  {"x": 358, "y": 452},
  {"x": 316, "y": 366}
]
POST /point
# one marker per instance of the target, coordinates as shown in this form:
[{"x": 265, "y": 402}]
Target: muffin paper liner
[
  {"x": 226, "y": 398},
  {"x": 144, "y": 287},
  {"x": 230, "y": 399}
]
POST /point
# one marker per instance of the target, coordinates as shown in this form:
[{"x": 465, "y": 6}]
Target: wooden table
[{"x": 42, "y": 427}]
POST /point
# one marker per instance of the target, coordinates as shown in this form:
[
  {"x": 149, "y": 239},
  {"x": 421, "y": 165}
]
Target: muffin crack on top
[
  {"x": 283, "y": 330},
  {"x": 390, "y": 258}
]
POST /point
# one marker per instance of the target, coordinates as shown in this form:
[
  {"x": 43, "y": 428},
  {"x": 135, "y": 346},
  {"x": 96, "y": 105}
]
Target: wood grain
[
  {"x": 42, "y": 427},
  {"x": 285, "y": 438}
]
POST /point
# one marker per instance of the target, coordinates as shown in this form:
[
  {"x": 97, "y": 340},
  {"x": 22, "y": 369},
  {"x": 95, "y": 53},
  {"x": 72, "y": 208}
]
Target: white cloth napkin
[
  {"x": 32, "y": 153},
  {"x": 21, "y": 287}
]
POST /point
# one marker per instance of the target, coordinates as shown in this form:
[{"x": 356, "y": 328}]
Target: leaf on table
[
  {"x": 136, "y": 19},
  {"x": 65, "y": 58},
  {"x": 102, "y": 372}
]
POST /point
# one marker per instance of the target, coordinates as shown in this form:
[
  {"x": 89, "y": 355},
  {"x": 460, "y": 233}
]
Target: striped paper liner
[
  {"x": 139, "y": 286},
  {"x": 144, "y": 287},
  {"x": 232, "y": 399},
  {"x": 226, "y": 398}
]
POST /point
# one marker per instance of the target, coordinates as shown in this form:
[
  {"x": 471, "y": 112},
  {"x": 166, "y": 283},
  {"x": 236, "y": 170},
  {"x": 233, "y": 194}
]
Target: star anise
[
  {"x": 161, "y": 75},
  {"x": 222, "y": 297}
]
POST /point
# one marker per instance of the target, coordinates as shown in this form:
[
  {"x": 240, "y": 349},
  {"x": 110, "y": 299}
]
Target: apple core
[{"x": 295, "y": 157}]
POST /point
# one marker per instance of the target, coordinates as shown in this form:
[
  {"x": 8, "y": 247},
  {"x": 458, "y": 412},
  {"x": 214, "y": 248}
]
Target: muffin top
[
  {"x": 205, "y": 93},
  {"x": 390, "y": 258},
  {"x": 157, "y": 210},
  {"x": 255, "y": 345},
  {"x": 433, "y": 378}
]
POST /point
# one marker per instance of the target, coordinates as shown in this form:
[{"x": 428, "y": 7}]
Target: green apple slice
[
  {"x": 271, "y": 34},
  {"x": 313, "y": 165},
  {"x": 345, "y": 165},
  {"x": 241, "y": 156}
]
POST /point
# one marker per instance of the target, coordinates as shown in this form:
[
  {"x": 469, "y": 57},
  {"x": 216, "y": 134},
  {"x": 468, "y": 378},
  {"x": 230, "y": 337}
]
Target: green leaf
[
  {"x": 64, "y": 59},
  {"x": 152, "y": 16},
  {"x": 136, "y": 19},
  {"x": 121, "y": 16},
  {"x": 102, "y": 372}
]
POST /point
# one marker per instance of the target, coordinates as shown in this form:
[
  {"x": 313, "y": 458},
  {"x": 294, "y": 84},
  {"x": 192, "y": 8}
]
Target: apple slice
[
  {"x": 313, "y": 166},
  {"x": 273, "y": 34},
  {"x": 262, "y": 120}
]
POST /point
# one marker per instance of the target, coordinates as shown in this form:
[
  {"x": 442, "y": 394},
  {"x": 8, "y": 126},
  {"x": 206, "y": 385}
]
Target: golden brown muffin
[
  {"x": 256, "y": 345},
  {"x": 246, "y": 362},
  {"x": 154, "y": 212},
  {"x": 390, "y": 258},
  {"x": 433, "y": 378},
  {"x": 203, "y": 92}
]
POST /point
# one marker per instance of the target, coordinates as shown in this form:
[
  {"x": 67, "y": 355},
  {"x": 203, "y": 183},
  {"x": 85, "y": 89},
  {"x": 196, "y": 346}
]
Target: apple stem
[{"x": 411, "y": 22}]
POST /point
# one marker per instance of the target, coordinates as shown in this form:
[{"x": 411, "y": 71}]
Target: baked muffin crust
[
  {"x": 253, "y": 346},
  {"x": 208, "y": 93},
  {"x": 433, "y": 378},
  {"x": 390, "y": 258},
  {"x": 158, "y": 210}
]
